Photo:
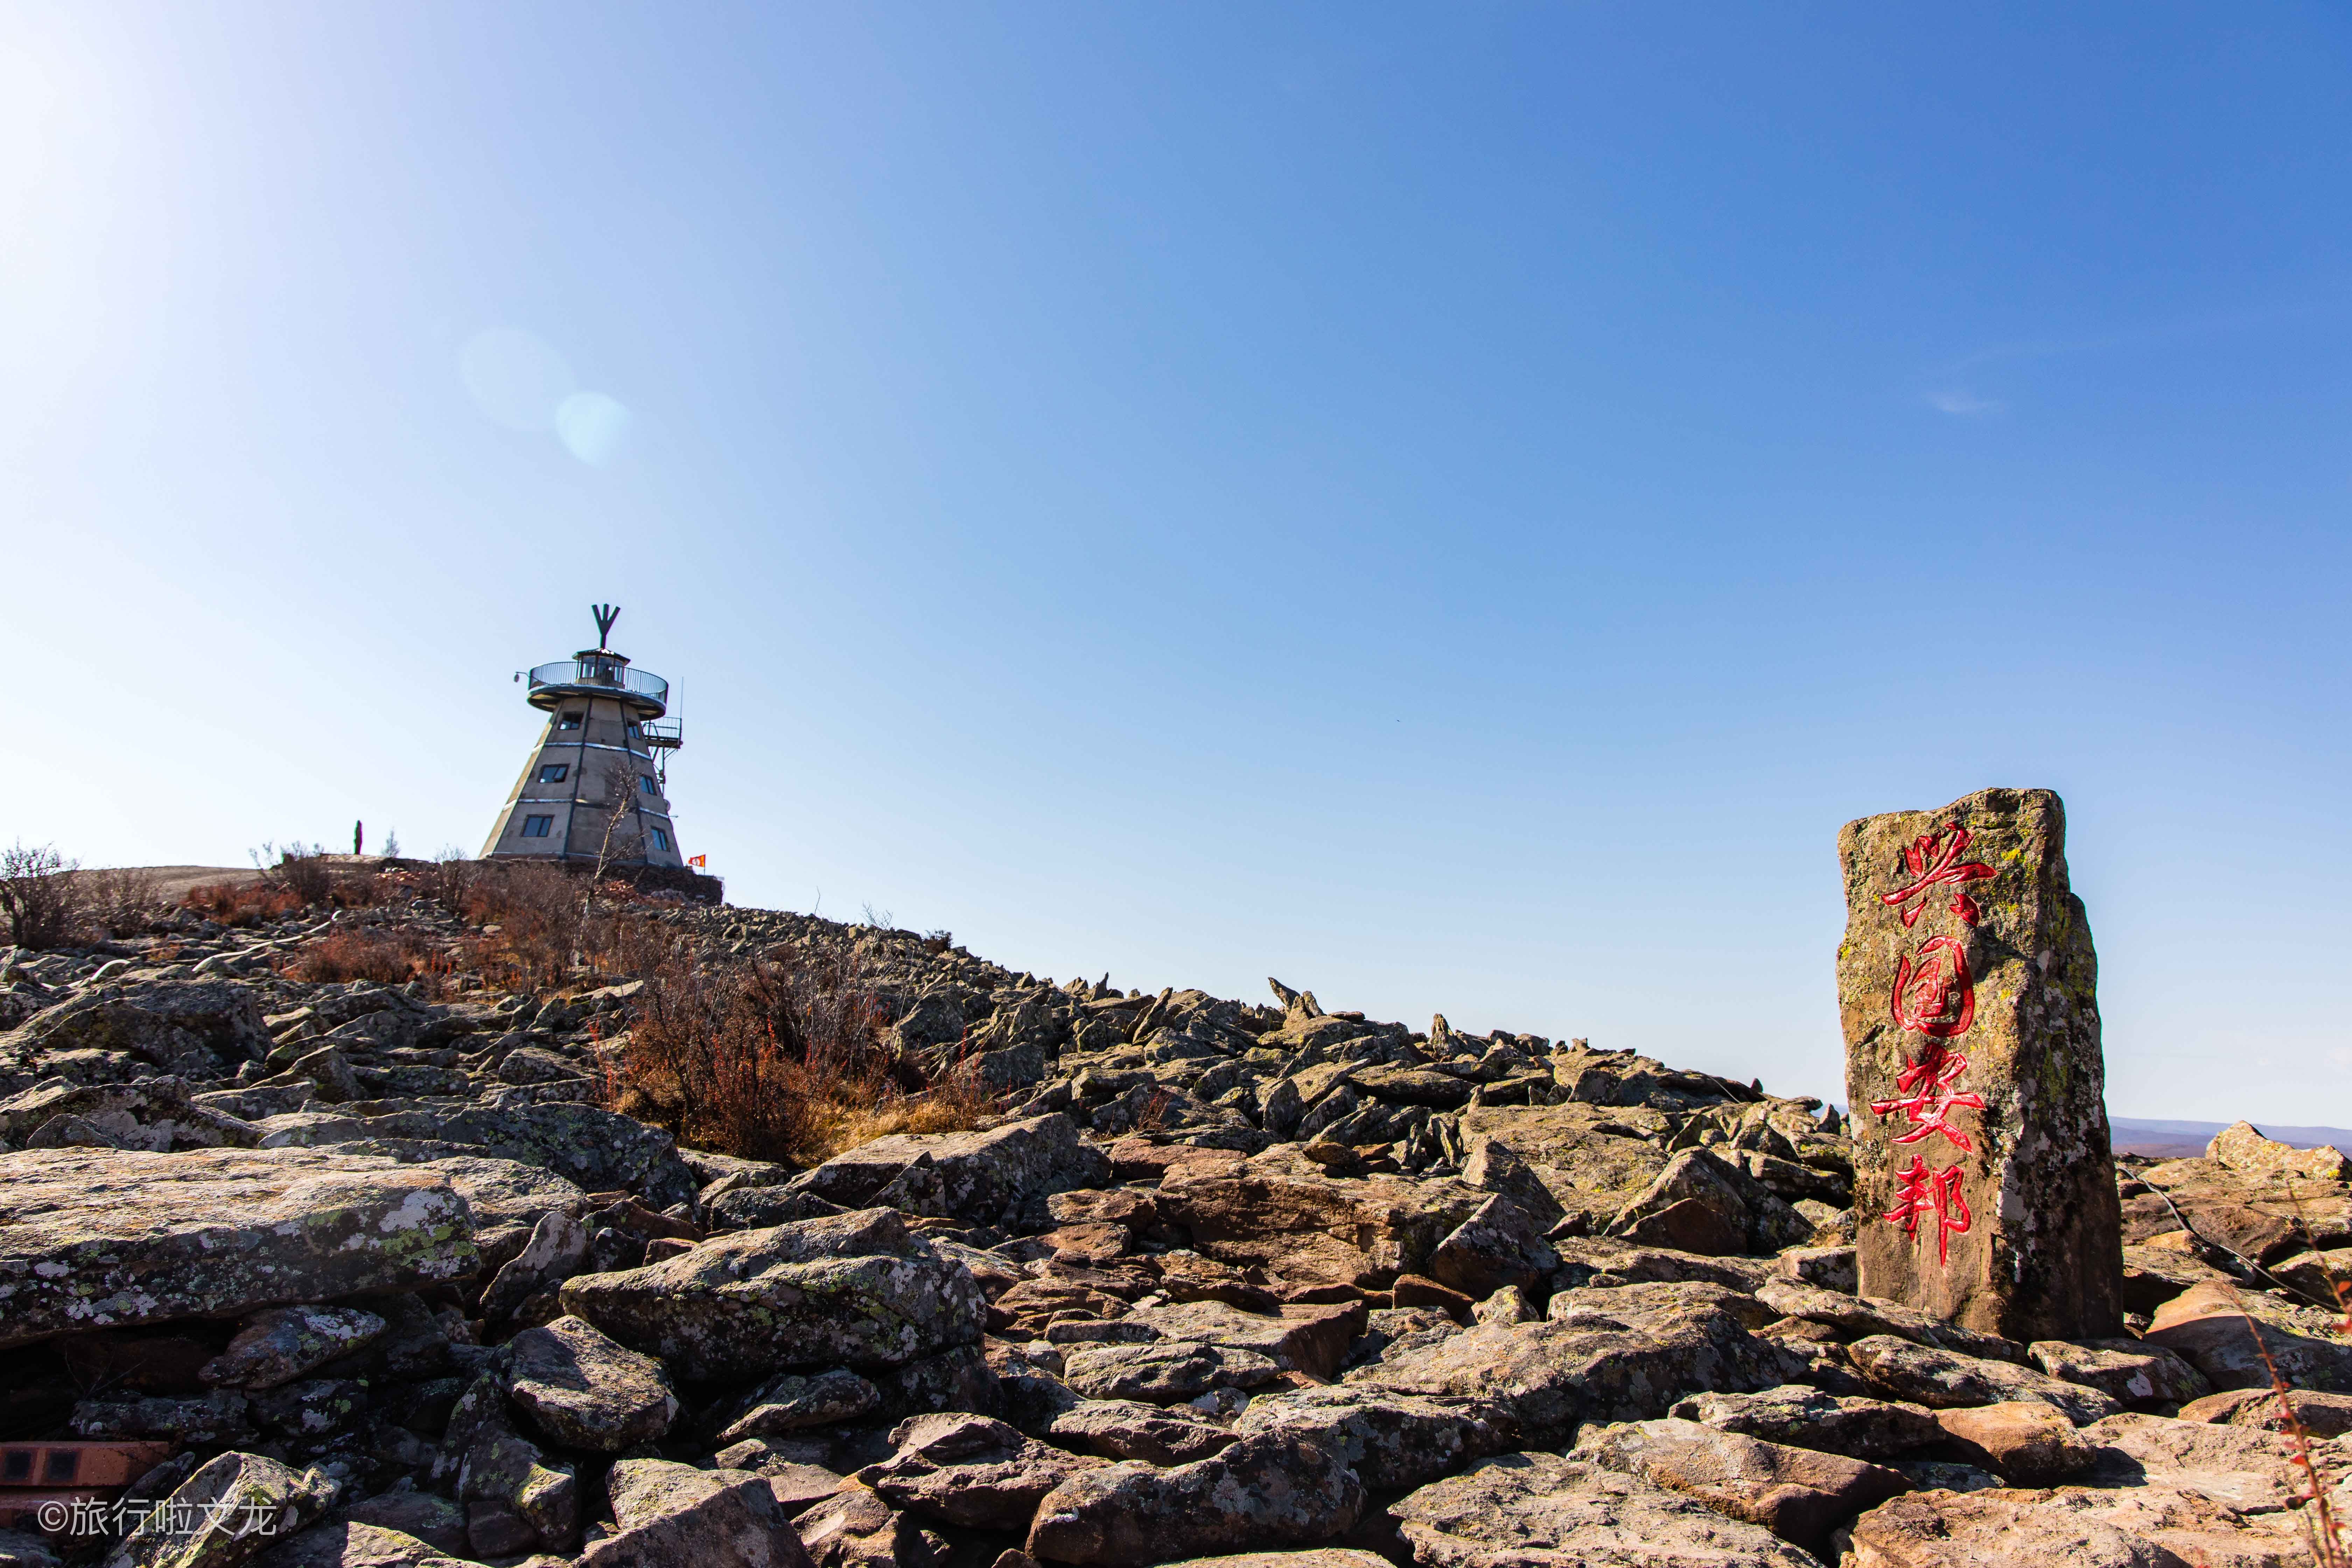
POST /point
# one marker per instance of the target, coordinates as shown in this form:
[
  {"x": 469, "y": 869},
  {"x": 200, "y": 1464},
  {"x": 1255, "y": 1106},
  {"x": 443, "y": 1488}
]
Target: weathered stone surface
[
  {"x": 349, "y": 1544},
  {"x": 154, "y": 1115},
  {"x": 2141, "y": 1374},
  {"x": 1859, "y": 1317},
  {"x": 91, "y": 1239},
  {"x": 669, "y": 1515},
  {"x": 229, "y": 1512},
  {"x": 793, "y": 1402},
  {"x": 1860, "y": 1428},
  {"x": 970, "y": 1471},
  {"x": 422, "y": 1515},
  {"x": 1281, "y": 1214},
  {"x": 2245, "y": 1467},
  {"x": 1166, "y": 1371},
  {"x": 1263, "y": 1490},
  {"x": 1496, "y": 1166},
  {"x": 1703, "y": 1203},
  {"x": 1312, "y": 1557},
  {"x": 585, "y": 1392},
  {"x": 1394, "y": 1440},
  {"x": 555, "y": 1252},
  {"x": 1539, "y": 1510},
  {"x": 1967, "y": 973},
  {"x": 2321, "y": 1415},
  {"x": 758, "y": 1209},
  {"x": 2212, "y": 1327},
  {"x": 282, "y": 1344},
  {"x": 1000, "y": 1177},
  {"x": 1550, "y": 1376},
  {"x": 24, "y": 1549},
  {"x": 2025, "y": 1441},
  {"x": 517, "y": 1499},
  {"x": 198, "y": 1030},
  {"x": 601, "y": 1150},
  {"x": 1309, "y": 1339},
  {"x": 218, "y": 1417},
  {"x": 1798, "y": 1494},
  {"x": 1942, "y": 1379},
  {"x": 858, "y": 1290},
  {"x": 1131, "y": 1429},
  {"x": 855, "y": 1529},
  {"x": 1501, "y": 1244},
  {"x": 1998, "y": 1529},
  {"x": 2242, "y": 1148}
]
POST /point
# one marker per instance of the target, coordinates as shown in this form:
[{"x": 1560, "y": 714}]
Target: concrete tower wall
[{"x": 559, "y": 808}]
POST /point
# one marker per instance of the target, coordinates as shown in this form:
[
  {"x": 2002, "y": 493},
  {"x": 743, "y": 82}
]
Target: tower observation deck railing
[{"x": 600, "y": 674}]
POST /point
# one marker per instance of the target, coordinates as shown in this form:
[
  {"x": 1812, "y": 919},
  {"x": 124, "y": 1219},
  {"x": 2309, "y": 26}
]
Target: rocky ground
[{"x": 1217, "y": 1278}]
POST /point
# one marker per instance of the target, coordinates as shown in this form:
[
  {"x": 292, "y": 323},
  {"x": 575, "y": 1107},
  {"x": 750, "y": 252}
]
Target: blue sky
[{"x": 1449, "y": 505}]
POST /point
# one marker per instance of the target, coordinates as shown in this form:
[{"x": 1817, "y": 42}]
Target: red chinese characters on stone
[
  {"x": 1935, "y": 863},
  {"x": 1937, "y": 996},
  {"x": 1922, "y": 1191},
  {"x": 1926, "y": 1097}
]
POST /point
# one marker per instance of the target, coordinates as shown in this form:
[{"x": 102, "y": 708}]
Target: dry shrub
[
  {"x": 782, "y": 1058},
  {"x": 122, "y": 903},
  {"x": 241, "y": 903},
  {"x": 388, "y": 958},
  {"x": 38, "y": 898},
  {"x": 537, "y": 911}
]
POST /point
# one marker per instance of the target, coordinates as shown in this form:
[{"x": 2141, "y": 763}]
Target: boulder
[
  {"x": 585, "y": 1392},
  {"x": 517, "y": 1499},
  {"x": 425, "y": 1516},
  {"x": 1799, "y": 1494},
  {"x": 1163, "y": 1372},
  {"x": 1312, "y": 1339},
  {"x": 219, "y": 1418},
  {"x": 199, "y": 1030},
  {"x": 557, "y": 1247},
  {"x": 1264, "y": 1490},
  {"x": 970, "y": 1471},
  {"x": 855, "y": 1529},
  {"x": 154, "y": 1114},
  {"x": 2246, "y": 1468},
  {"x": 1281, "y": 1214},
  {"x": 92, "y": 1238},
  {"x": 2024, "y": 1441},
  {"x": 856, "y": 1289},
  {"x": 601, "y": 1150},
  {"x": 229, "y": 1512},
  {"x": 1500, "y": 1244},
  {"x": 1539, "y": 1510},
  {"x": 791, "y": 1401},
  {"x": 665, "y": 1515},
  {"x": 282, "y": 1344},
  {"x": 2242, "y": 1148},
  {"x": 2140, "y": 1374},
  {"x": 1552, "y": 1376},
  {"x": 1803, "y": 1417},
  {"x": 1703, "y": 1203},
  {"x": 1858, "y": 1317},
  {"x": 1392, "y": 1440},
  {"x": 998, "y": 1177},
  {"x": 1495, "y": 1165},
  {"x": 1131, "y": 1429},
  {"x": 1940, "y": 1379},
  {"x": 2138, "y": 1527},
  {"x": 2210, "y": 1327},
  {"x": 2266, "y": 1410},
  {"x": 955, "y": 1379},
  {"x": 349, "y": 1544}
]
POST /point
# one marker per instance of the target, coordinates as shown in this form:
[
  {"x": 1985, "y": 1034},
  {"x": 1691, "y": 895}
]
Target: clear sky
[{"x": 1450, "y": 506}]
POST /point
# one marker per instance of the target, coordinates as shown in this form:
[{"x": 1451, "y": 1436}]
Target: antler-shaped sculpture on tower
[{"x": 605, "y": 615}]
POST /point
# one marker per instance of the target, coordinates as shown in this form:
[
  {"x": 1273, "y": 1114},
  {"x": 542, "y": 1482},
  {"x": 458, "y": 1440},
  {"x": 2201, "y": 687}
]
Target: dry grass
[
  {"x": 242, "y": 904},
  {"x": 388, "y": 958},
  {"x": 778, "y": 1059}
]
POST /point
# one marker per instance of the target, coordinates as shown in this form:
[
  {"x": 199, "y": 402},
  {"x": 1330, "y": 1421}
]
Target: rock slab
[{"x": 1968, "y": 988}]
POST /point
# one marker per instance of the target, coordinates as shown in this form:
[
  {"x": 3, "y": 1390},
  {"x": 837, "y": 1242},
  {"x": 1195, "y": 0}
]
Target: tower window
[
  {"x": 661, "y": 839},
  {"x": 537, "y": 827},
  {"x": 646, "y": 783},
  {"x": 555, "y": 773},
  {"x": 568, "y": 722}
]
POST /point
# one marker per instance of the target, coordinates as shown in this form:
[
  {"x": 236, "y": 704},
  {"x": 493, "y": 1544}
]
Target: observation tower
[{"x": 595, "y": 788}]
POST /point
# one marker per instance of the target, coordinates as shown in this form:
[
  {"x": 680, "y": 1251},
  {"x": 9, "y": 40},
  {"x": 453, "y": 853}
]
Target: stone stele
[{"x": 1984, "y": 1186}]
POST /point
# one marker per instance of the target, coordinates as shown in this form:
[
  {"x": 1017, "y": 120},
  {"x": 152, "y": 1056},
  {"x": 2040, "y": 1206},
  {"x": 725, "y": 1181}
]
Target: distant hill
[{"x": 2179, "y": 1140}]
